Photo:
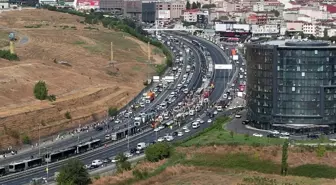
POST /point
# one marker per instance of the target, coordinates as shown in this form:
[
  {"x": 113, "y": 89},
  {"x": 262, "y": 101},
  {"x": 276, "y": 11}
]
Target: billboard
[
  {"x": 223, "y": 66},
  {"x": 164, "y": 14},
  {"x": 200, "y": 18},
  {"x": 232, "y": 27},
  {"x": 91, "y": 3}
]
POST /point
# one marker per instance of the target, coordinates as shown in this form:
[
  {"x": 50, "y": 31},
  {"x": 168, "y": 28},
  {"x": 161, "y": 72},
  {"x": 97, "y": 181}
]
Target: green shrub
[
  {"x": 67, "y": 115},
  {"x": 314, "y": 171},
  {"x": 26, "y": 140},
  {"x": 52, "y": 97},
  {"x": 158, "y": 151},
  {"x": 140, "y": 174},
  {"x": 112, "y": 111},
  {"x": 7, "y": 55},
  {"x": 41, "y": 90},
  {"x": 321, "y": 150}
]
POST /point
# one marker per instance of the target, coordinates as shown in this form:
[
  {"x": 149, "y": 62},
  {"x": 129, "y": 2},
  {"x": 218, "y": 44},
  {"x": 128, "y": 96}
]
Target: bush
[
  {"x": 314, "y": 171},
  {"x": 52, "y": 98},
  {"x": 158, "y": 151},
  {"x": 112, "y": 111},
  {"x": 6, "y": 54},
  {"x": 26, "y": 140},
  {"x": 73, "y": 172},
  {"x": 122, "y": 163},
  {"x": 320, "y": 150},
  {"x": 41, "y": 90},
  {"x": 140, "y": 174},
  {"x": 67, "y": 115}
]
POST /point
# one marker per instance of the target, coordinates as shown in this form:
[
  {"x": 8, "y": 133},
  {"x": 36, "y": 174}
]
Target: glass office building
[{"x": 292, "y": 85}]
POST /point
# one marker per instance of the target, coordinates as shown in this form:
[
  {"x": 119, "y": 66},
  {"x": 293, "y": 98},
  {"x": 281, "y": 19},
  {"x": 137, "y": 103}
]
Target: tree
[
  {"x": 276, "y": 13},
  {"x": 325, "y": 33},
  {"x": 112, "y": 111},
  {"x": 122, "y": 163},
  {"x": 198, "y": 4},
  {"x": 73, "y": 173},
  {"x": 223, "y": 18},
  {"x": 284, "y": 164},
  {"x": 194, "y": 5},
  {"x": 158, "y": 151},
  {"x": 188, "y": 5},
  {"x": 209, "y": 6},
  {"x": 41, "y": 90}
]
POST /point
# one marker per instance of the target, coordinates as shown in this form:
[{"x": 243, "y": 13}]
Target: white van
[
  {"x": 191, "y": 112},
  {"x": 196, "y": 125}
]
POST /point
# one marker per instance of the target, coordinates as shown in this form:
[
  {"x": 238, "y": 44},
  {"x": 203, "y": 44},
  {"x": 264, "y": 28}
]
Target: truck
[
  {"x": 150, "y": 97},
  {"x": 188, "y": 68},
  {"x": 141, "y": 147}
]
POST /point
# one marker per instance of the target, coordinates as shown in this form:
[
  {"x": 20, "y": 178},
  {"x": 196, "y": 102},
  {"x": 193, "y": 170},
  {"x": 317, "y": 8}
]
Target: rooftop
[{"x": 299, "y": 43}]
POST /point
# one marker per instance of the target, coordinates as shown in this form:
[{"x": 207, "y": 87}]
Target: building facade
[
  {"x": 115, "y": 6},
  {"x": 291, "y": 85},
  {"x": 4, "y": 4},
  {"x": 148, "y": 12}
]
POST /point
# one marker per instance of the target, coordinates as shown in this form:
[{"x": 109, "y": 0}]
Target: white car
[
  {"x": 187, "y": 130},
  {"x": 257, "y": 135},
  {"x": 215, "y": 112},
  {"x": 238, "y": 116},
  {"x": 209, "y": 120},
  {"x": 180, "y": 134},
  {"x": 114, "y": 160},
  {"x": 284, "y": 137},
  {"x": 169, "y": 138},
  {"x": 284, "y": 134},
  {"x": 161, "y": 139},
  {"x": 96, "y": 163},
  {"x": 275, "y": 132},
  {"x": 128, "y": 154}
]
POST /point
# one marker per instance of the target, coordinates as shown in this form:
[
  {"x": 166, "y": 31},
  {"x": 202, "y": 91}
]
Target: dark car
[
  {"x": 175, "y": 133},
  {"x": 132, "y": 150},
  {"x": 272, "y": 136},
  {"x": 99, "y": 128},
  {"x": 313, "y": 136}
]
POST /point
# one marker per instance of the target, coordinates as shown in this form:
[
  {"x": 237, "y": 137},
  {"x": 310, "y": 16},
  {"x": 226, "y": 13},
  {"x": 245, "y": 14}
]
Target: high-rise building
[{"x": 291, "y": 85}]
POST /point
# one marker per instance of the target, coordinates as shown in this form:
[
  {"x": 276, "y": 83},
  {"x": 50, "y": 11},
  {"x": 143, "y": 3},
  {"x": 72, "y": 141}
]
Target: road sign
[{"x": 223, "y": 66}]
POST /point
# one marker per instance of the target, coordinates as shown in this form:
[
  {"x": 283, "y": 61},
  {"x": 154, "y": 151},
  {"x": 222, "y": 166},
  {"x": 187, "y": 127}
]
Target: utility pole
[
  {"x": 128, "y": 133},
  {"x": 111, "y": 51}
]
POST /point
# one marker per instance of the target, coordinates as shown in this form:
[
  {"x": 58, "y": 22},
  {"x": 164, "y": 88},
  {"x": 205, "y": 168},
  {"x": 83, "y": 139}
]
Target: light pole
[
  {"x": 47, "y": 168},
  {"x": 128, "y": 136}
]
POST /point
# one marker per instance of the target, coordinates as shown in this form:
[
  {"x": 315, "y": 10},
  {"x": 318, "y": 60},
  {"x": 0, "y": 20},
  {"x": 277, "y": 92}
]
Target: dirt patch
[
  {"x": 118, "y": 178},
  {"x": 87, "y": 85},
  {"x": 296, "y": 156},
  {"x": 205, "y": 176},
  {"x": 156, "y": 54}
]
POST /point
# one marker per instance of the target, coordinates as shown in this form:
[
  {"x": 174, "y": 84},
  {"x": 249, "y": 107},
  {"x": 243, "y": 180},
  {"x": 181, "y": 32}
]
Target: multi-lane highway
[{"x": 121, "y": 146}]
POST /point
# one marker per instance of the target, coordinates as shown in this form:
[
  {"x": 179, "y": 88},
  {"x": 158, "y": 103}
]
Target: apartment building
[
  {"x": 4, "y": 4},
  {"x": 114, "y": 6},
  {"x": 175, "y": 8}
]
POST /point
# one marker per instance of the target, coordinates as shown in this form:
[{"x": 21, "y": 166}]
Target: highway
[
  {"x": 146, "y": 136},
  {"x": 221, "y": 77},
  {"x": 85, "y": 136}
]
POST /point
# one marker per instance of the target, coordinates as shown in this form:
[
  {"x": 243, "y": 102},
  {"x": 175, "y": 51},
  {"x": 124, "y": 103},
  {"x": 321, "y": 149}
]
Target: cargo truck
[{"x": 150, "y": 97}]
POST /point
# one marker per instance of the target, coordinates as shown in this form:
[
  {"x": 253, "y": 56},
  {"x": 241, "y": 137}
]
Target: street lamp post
[
  {"x": 128, "y": 133},
  {"x": 39, "y": 142},
  {"x": 47, "y": 168}
]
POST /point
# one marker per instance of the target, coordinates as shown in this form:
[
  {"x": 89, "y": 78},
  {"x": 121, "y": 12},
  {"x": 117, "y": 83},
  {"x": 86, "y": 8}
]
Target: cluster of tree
[
  {"x": 194, "y": 5},
  {"x": 41, "y": 92},
  {"x": 209, "y": 6},
  {"x": 6, "y": 54},
  {"x": 74, "y": 172},
  {"x": 127, "y": 25}
]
